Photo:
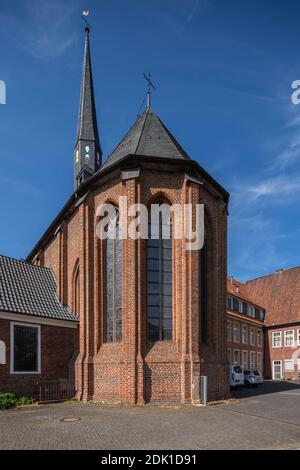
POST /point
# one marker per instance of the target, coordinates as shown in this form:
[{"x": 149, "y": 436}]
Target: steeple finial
[
  {"x": 88, "y": 154},
  {"x": 150, "y": 85}
]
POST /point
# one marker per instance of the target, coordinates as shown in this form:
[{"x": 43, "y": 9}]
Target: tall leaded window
[
  {"x": 76, "y": 292},
  {"x": 203, "y": 287},
  {"x": 159, "y": 279},
  {"x": 113, "y": 283}
]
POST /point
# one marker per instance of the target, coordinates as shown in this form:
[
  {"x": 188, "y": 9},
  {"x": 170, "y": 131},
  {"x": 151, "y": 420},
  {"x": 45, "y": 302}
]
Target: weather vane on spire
[
  {"x": 150, "y": 85},
  {"x": 84, "y": 16}
]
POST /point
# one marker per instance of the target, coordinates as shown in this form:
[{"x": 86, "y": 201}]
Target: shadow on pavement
[{"x": 268, "y": 386}]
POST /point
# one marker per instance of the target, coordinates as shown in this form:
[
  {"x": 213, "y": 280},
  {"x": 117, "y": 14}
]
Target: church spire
[{"x": 88, "y": 153}]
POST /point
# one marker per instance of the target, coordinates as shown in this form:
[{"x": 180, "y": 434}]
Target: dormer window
[{"x": 87, "y": 151}]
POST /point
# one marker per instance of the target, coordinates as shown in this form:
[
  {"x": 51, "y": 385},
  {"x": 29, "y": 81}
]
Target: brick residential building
[
  {"x": 279, "y": 294},
  {"x": 245, "y": 328}
]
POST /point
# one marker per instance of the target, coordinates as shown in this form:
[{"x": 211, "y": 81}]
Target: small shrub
[{"x": 10, "y": 400}]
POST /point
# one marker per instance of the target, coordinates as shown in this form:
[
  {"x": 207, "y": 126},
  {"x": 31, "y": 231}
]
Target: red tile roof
[
  {"x": 279, "y": 294},
  {"x": 240, "y": 290}
]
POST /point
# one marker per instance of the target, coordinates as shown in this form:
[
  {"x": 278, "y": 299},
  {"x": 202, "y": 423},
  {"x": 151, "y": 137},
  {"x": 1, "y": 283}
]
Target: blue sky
[{"x": 223, "y": 72}]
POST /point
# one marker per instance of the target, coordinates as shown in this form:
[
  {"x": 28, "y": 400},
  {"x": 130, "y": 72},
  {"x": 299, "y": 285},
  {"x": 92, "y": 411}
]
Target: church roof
[
  {"x": 147, "y": 137},
  {"x": 30, "y": 290}
]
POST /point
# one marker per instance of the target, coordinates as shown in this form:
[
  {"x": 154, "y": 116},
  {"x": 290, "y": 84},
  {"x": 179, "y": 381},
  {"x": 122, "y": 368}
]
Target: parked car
[
  {"x": 236, "y": 375},
  {"x": 252, "y": 377}
]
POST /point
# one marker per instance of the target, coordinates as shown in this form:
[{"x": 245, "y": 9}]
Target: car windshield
[
  {"x": 238, "y": 369},
  {"x": 246, "y": 372},
  {"x": 256, "y": 372}
]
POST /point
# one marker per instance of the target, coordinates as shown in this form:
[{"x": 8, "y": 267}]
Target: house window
[
  {"x": 298, "y": 336},
  {"x": 259, "y": 361},
  {"x": 113, "y": 283},
  {"x": 240, "y": 306},
  {"x": 236, "y": 356},
  {"x": 229, "y": 355},
  {"x": 261, "y": 315},
  {"x": 228, "y": 330},
  {"x": 289, "y": 338},
  {"x": 276, "y": 339},
  {"x": 25, "y": 349},
  {"x": 252, "y": 360},
  {"x": 236, "y": 332},
  {"x": 244, "y": 334},
  {"x": 259, "y": 338},
  {"x": 251, "y": 311},
  {"x": 252, "y": 336},
  {"x": 230, "y": 303},
  {"x": 245, "y": 360},
  {"x": 159, "y": 270},
  {"x": 289, "y": 365}
]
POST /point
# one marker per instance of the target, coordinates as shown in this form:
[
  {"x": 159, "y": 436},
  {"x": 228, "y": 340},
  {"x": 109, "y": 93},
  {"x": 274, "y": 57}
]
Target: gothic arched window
[
  {"x": 76, "y": 291},
  {"x": 159, "y": 279},
  {"x": 113, "y": 268},
  {"x": 203, "y": 291}
]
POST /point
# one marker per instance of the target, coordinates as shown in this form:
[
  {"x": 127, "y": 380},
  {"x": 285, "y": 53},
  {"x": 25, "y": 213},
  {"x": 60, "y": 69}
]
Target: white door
[{"x": 277, "y": 370}]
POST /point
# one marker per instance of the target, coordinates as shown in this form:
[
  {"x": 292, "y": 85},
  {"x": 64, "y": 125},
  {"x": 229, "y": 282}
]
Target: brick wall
[
  {"x": 57, "y": 351},
  {"x": 133, "y": 370},
  {"x": 283, "y": 353}
]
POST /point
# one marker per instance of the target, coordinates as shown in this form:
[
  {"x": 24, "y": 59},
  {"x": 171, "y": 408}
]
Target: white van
[{"x": 236, "y": 375}]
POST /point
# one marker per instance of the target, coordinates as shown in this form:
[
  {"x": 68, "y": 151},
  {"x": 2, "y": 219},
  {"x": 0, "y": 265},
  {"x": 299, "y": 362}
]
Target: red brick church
[{"x": 151, "y": 314}]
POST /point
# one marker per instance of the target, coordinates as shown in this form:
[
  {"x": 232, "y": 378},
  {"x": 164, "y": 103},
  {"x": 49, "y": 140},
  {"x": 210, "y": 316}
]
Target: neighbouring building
[
  {"x": 279, "y": 294},
  {"x": 38, "y": 335},
  {"x": 245, "y": 327}
]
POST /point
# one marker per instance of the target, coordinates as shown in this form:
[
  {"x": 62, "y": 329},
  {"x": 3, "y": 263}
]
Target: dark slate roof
[
  {"x": 87, "y": 129},
  {"x": 147, "y": 137},
  {"x": 31, "y": 290}
]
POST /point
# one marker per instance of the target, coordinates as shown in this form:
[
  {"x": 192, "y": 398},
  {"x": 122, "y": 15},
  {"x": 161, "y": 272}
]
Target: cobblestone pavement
[{"x": 268, "y": 418}]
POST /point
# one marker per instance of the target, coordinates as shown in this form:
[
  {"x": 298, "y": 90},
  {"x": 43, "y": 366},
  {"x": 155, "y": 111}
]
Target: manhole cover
[{"x": 70, "y": 419}]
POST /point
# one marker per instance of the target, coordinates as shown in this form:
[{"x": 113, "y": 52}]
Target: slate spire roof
[
  {"x": 147, "y": 137},
  {"x": 87, "y": 162},
  {"x": 30, "y": 290}
]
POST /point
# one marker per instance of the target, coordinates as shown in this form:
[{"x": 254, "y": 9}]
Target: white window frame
[
  {"x": 260, "y": 336},
  {"x": 252, "y": 337},
  {"x": 259, "y": 364},
  {"x": 252, "y": 364},
  {"x": 239, "y": 358},
  {"x": 12, "y": 359},
  {"x": 243, "y": 363},
  {"x": 250, "y": 311},
  {"x": 229, "y": 353},
  {"x": 280, "y": 339},
  {"x": 273, "y": 367},
  {"x": 285, "y": 339},
  {"x": 229, "y": 330},
  {"x": 230, "y": 303},
  {"x": 240, "y": 306},
  {"x": 2, "y": 352},
  {"x": 292, "y": 369},
  {"x": 245, "y": 328},
  {"x": 236, "y": 328}
]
